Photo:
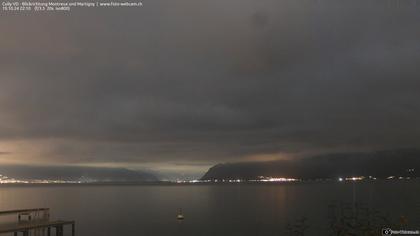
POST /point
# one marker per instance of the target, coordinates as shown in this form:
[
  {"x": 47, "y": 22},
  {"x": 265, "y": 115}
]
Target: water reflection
[{"x": 231, "y": 209}]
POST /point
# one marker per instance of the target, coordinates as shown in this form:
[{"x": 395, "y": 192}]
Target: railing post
[{"x": 59, "y": 230}]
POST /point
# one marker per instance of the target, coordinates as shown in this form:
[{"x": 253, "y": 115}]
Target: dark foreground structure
[{"x": 34, "y": 222}]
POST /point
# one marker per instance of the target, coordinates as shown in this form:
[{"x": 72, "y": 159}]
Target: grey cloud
[{"x": 203, "y": 82}]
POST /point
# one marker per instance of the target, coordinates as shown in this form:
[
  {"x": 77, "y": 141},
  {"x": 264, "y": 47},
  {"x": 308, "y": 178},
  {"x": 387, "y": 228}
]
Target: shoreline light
[
  {"x": 355, "y": 178},
  {"x": 270, "y": 179}
]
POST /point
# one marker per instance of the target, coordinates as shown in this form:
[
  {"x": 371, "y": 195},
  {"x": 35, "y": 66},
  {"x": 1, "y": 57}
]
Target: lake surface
[{"x": 231, "y": 209}]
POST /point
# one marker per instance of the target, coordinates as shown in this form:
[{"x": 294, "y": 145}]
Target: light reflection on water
[{"x": 235, "y": 209}]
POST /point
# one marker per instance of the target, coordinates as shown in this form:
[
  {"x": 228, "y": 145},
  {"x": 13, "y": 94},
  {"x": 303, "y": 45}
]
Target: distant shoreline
[{"x": 220, "y": 183}]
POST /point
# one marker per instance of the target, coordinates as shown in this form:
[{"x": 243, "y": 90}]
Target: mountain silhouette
[{"x": 380, "y": 164}]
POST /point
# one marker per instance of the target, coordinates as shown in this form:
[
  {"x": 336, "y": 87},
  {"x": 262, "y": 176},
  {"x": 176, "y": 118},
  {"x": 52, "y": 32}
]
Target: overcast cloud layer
[{"x": 181, "y": 85}]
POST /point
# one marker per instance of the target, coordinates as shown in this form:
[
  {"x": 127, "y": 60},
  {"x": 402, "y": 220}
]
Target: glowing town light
[
  {"x": 356, "y": 178},
  {"x": 279, "y": 180}
]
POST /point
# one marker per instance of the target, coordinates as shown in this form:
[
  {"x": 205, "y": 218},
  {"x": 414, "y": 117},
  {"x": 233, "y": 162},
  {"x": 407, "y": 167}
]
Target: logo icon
[{"x": 386, "y": 231}]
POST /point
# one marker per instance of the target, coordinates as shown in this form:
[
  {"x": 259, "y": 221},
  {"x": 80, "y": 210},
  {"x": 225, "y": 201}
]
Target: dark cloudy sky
[{"x": 177, "y": 86}]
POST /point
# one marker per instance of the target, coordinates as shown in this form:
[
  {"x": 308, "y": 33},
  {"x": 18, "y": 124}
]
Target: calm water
[{"x": 241, "y": 209}]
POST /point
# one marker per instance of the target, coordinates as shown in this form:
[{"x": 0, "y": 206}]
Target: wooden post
[
  {"x": 49, "y": 231},
  {"x": 15, "y": 233},
  {"x": 73, "y": 229},
  {"x": 59, "y": 230}
]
